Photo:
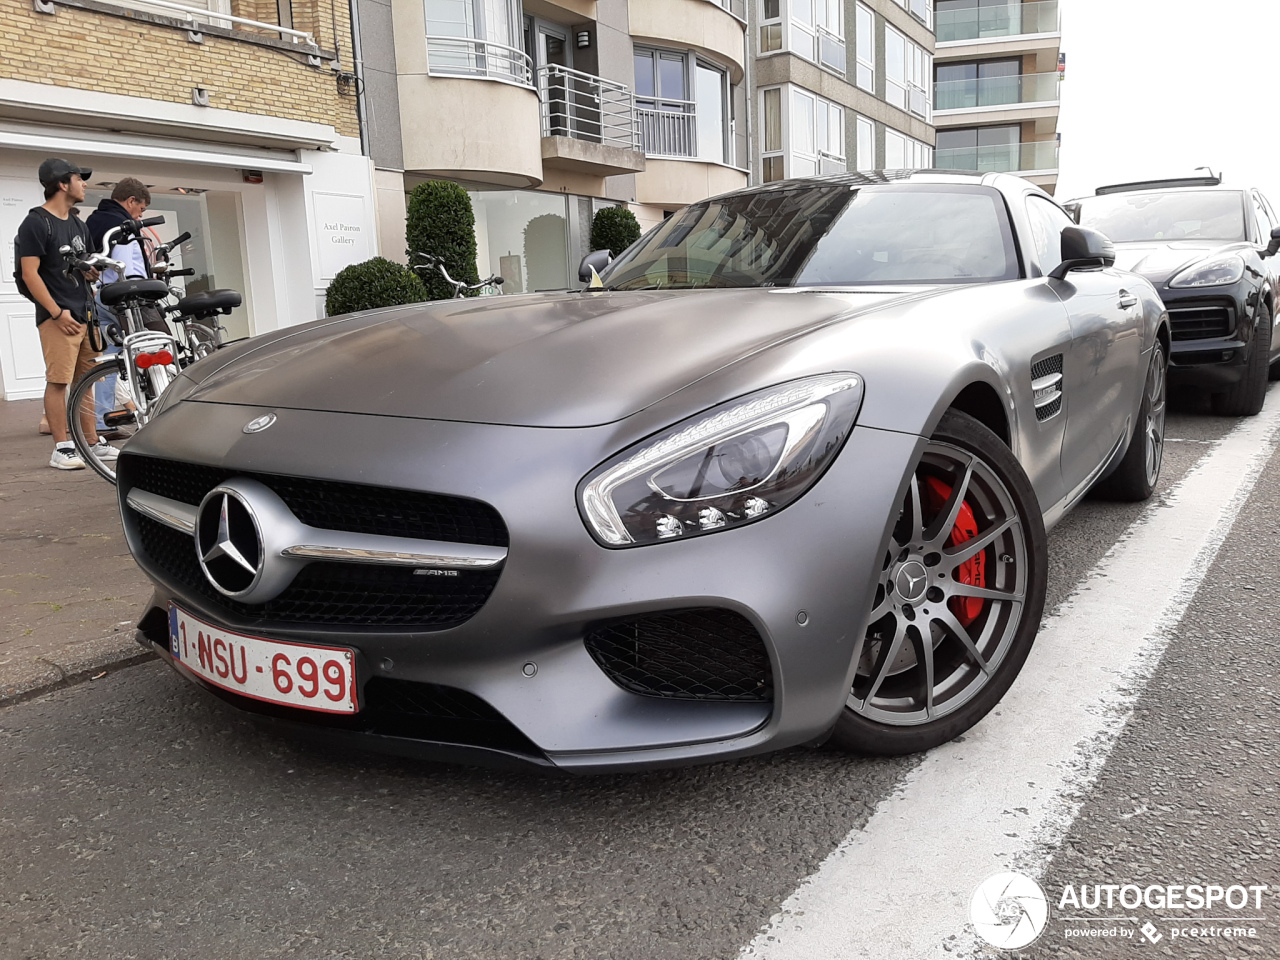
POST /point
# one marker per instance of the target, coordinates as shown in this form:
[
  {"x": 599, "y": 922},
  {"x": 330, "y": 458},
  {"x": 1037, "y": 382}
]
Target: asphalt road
[{"x": 141, "y": 818}]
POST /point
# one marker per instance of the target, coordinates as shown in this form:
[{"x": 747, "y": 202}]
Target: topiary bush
[
  {"x": 614, "y": 229},
  {"x": 440, "y": 222},
  {"x": 373, "y": 283}
]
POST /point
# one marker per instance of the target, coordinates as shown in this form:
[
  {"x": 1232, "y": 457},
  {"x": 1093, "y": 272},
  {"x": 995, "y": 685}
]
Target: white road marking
[{"x": 1004, "y": 797}]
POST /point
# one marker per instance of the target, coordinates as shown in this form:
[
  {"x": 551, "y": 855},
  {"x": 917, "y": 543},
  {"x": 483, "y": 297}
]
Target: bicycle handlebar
[{"x": 185, "y": 272}]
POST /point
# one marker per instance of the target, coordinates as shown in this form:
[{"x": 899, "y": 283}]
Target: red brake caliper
[{"x": 974, "y": 570}]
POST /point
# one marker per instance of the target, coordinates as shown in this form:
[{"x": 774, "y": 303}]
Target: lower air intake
[{"x": 701, "y": 654}]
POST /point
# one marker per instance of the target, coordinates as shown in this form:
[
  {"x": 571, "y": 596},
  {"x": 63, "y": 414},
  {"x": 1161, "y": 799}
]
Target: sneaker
[
  {"x": 66, "y": 459},
  {"x": 105, "y": 451}
]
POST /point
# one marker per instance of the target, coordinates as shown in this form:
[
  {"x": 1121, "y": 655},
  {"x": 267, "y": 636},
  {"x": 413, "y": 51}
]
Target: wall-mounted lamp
[{"x": 584, "y": 39}]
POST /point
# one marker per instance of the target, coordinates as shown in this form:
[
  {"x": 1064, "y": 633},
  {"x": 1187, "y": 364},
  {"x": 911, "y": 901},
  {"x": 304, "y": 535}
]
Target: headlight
[
  {"x": 1211, "y": 273},
  {"x": 738, "y": 462}
]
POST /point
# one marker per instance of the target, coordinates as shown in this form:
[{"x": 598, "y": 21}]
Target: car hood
[
  {"x": 551, "y": 360},
  {"x": 1160, "y": 262}
]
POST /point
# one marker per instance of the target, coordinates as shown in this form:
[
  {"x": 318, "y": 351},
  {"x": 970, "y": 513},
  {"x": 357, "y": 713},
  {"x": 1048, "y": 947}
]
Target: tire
[
  {"x": 82, "y": 393},
  {"x": 1244, "y": 399},
  {"x": 1139, "y": 471},
  {"x": 909, "y": 695}
]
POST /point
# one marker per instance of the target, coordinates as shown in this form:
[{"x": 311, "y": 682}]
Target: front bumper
[
  {"x": 1212, "y": 335},
  {"x": 819, "y": 557}
]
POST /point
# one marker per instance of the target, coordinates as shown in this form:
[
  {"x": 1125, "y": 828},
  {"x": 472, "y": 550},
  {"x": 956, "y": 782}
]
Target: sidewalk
[{"x": 69, "y": 591}]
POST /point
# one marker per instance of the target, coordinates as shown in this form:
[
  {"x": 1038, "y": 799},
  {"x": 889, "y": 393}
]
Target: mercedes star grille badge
[
  {"x": 228, "y": 542},
  {"x": 258, "y": 424}
]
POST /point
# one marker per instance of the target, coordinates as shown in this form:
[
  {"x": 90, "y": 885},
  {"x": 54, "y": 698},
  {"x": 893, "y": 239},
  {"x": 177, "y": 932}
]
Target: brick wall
[{"x": 95, "y": 50}]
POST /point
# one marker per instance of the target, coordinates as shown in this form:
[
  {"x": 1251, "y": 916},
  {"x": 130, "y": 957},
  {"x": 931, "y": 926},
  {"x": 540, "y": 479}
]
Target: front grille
[
  {"x": 330, "y": 504},
  {"x": 330, "y": 594},
  {"x": 1201, "y": 322},
  {"x": 701, "y": 654}
]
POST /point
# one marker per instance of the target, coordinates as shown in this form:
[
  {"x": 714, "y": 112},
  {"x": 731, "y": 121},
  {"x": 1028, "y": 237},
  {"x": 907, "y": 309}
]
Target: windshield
[
  {"x": 826, "y": 234},
  {"x": 1182, "y": 215}
]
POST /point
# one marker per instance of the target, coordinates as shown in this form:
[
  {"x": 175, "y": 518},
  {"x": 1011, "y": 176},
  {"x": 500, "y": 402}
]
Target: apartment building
[
  {"x": 840, "y": 85},
  {"x": 996, "y": 87},
  {"x": 547, "y": 110},
  {"x": 241, "y": 117}
]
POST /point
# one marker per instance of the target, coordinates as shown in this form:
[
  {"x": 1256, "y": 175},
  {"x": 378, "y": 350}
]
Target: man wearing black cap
[{"x": 63, "y": 302}]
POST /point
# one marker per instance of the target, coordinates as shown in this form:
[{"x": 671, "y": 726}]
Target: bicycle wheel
[{"x": 81, "y": 399}]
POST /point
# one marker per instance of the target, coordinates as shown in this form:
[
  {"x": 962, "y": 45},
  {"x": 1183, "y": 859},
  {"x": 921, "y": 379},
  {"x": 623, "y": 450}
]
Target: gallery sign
[{"x": 344, "y": 232}]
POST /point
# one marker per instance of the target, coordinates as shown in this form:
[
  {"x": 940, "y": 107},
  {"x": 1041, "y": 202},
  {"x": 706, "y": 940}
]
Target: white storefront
[{"x": 279, "y": 241}]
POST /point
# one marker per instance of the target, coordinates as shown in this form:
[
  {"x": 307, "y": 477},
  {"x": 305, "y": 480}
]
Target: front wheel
[
  {"x": 1245, "y": 398},
  {"x": 961, "y": 592},
  {"x": 82, "y": 398}
]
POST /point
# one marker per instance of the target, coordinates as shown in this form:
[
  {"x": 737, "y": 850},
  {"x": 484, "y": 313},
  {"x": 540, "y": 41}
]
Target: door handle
[{"x": 1127, "y": 300}]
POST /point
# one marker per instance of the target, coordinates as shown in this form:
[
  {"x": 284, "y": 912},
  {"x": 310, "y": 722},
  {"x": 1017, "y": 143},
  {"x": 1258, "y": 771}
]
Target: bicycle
[
  {"x": 149, "y": 359},
  {"x": 491, "y": 286}
]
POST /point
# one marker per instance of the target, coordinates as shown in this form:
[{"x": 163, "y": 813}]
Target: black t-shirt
[{"x": 41, "y": 235}]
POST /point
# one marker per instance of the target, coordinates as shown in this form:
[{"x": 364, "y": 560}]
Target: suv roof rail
[{"x": 1157, "y": 184}]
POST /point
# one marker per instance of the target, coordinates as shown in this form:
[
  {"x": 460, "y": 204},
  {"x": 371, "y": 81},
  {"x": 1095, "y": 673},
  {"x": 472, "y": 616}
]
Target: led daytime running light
[{"x": 762, "y": 409}]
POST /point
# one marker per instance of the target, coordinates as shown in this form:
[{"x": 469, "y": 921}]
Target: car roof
[
  {"x": 1185, "y": 185},
  {"x": 1006, "y": 183}
]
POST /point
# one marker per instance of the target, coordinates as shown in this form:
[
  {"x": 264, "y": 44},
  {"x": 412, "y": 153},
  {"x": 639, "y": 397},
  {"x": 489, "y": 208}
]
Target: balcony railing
[
  {"x": 482, "y": 59},
  {"x": 585, "y": 107},
  {"x": 998, "y": 20},
  {"x": 993, "y": 91},
  {"x": 831, "y": 50},
  {"x": 668, "y": 128},
  {"x": 1000, "y": 157},
  {"x": 195, "y": 16},
  {"x": 830, "y": 163}
]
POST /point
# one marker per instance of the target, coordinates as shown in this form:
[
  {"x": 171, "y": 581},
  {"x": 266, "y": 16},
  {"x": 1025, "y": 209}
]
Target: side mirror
[
  {"x": 1082, "y": 247},
  {"x": 595, "y": 261},
  {"x": 1274, "y": 246}
]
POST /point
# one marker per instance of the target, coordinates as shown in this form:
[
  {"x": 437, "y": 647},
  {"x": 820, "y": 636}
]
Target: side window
[
  {"x": 1263, "y": 221},
  {"x": 1047, "y": 221}
]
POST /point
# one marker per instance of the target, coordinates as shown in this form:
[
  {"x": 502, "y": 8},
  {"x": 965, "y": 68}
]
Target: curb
[{"x": 84, "y": 671}]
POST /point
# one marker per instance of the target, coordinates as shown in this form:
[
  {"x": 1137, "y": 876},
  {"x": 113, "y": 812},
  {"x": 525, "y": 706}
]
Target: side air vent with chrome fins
[{"x": 1046, "y": 386}]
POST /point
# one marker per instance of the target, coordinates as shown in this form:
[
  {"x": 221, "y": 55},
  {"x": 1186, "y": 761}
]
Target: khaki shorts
[{"x": 65, "y": 358}]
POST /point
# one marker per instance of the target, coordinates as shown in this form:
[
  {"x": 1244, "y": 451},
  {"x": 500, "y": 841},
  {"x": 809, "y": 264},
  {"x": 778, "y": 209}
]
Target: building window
[
  {"x": 981, "y": 148},
  {"x": 813, "y": 29},
  {"x": 673, "y": 124},
  {"x": 522, "y": 235},
  {"x": 866, "y": 144},
  {"x": 476, "y": 38},
  {"x": 865, "y": 37},
  {"x": 922, "y": 10},
  {"x": 904, "y": 153},
  {"x": 963, "y": 85},
  {"x": 908, "y": 72},
  {"x": 803, "y": 134},
  {"x": 770, "y": 25}
]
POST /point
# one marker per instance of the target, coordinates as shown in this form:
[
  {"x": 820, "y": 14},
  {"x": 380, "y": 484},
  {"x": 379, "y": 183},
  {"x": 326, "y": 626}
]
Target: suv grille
[
  {"x": 702, "y": 654},
  {"x": 330, "y": 504},
  {"x": 1201, "y": 322}
]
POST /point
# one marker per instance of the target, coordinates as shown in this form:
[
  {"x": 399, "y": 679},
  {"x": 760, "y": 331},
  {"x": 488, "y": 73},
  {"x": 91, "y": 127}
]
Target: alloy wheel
[{"x": 951, "y": 595}]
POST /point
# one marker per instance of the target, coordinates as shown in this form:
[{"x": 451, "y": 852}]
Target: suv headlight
[
  {"x": 1211, "y": 273},
  {"x": 739, "y": 462}
]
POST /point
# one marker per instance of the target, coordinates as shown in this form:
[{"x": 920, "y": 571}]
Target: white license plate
[{"x": 294, "y": 674}]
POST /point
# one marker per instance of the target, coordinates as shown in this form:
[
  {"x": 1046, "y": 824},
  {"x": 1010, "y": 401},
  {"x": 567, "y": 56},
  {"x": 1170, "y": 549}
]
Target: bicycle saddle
[
  {"x": 210, "y": 301},
  {"x": 138, "y": 289}
]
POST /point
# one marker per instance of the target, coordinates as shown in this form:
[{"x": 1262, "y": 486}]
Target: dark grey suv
[{"x": 1210, "y": 252}]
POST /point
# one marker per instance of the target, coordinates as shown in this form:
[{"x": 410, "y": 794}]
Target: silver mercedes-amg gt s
[{"x": 783, "y": 475}]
